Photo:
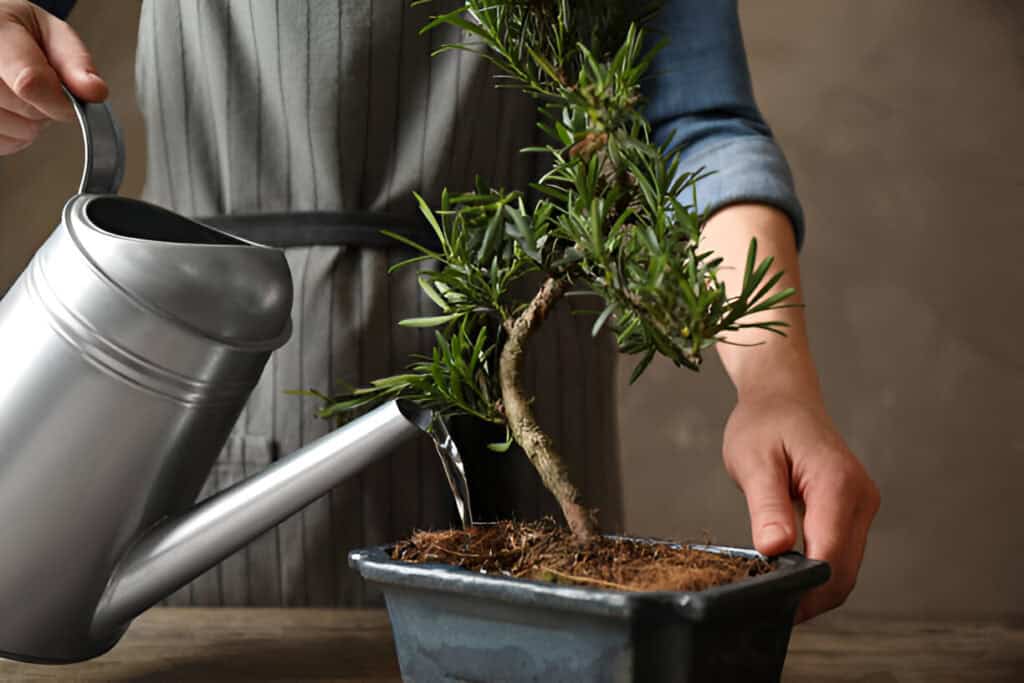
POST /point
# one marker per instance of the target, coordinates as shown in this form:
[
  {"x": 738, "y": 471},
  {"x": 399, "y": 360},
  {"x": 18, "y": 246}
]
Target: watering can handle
[{"x": 104, "y": 150}]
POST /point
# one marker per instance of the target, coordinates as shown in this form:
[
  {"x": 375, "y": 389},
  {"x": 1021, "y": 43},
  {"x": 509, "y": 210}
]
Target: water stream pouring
[
  {"x": 128, "y": 348},
  {"x": 454, "y": 469}
]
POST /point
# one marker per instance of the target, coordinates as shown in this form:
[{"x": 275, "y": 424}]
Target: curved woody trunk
[{"x": 535, "y": 442}]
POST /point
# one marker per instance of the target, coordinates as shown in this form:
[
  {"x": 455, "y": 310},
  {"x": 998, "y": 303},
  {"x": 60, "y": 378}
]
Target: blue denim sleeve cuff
[
  {"x": 699, "y": 91},
  {"x": 745, "y": 169}
]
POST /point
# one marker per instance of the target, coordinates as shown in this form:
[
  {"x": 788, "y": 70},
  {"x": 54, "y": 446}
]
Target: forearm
[
  {"x": 776, "y": 364},
  {"x": 779, "y": 444}
]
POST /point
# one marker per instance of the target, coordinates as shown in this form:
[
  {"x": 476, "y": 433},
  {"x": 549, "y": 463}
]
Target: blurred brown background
[{"x": 902, "y": 123}]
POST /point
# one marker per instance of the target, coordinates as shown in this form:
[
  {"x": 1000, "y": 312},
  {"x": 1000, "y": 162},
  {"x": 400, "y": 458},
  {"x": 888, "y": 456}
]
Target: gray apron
[{"x": 305, "y": 114}]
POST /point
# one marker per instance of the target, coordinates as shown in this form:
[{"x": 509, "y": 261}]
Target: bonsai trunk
[{"x": 537, "y": 445}]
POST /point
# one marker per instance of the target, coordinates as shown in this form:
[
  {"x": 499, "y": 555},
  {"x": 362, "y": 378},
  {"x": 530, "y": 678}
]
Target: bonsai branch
[{"x": 535, "y": 442}]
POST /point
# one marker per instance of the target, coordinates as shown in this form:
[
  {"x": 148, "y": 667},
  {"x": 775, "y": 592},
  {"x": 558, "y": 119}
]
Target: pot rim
[{"x": 792, "y": 574}]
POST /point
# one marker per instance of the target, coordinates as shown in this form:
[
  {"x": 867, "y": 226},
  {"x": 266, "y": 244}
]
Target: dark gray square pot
[{"x": 451, "y": 624}]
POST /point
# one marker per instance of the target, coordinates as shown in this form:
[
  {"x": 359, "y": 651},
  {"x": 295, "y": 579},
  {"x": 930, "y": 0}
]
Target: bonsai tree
[{"x": 615, "y": 216}]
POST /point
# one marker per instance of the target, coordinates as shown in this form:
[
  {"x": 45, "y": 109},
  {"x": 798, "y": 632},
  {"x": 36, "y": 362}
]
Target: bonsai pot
[{"x": 451, "y": 624}]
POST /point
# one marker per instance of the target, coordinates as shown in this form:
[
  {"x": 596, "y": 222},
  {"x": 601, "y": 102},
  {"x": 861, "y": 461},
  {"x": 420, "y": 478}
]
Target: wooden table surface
[{"x": 255, "y": 645}]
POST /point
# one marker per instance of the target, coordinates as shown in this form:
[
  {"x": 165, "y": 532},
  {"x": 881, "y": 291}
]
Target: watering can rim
[{"x": 88, "y": 199}]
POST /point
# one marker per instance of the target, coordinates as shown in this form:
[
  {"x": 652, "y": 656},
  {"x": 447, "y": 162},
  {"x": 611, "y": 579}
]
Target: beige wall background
[{"x": 902, "y": 123}]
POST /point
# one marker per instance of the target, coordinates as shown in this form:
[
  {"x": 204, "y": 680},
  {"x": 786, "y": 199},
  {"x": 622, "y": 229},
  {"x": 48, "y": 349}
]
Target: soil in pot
[{"x": 544, "y": 551}]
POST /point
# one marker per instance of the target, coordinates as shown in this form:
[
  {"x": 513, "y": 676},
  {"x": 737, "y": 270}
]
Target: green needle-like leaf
[{"x": 429, "y": 321}]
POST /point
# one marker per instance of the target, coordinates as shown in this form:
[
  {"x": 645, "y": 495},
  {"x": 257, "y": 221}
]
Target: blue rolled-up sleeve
[{"x": 699, "y": 93}]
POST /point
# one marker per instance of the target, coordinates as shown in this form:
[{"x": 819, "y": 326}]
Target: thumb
[
  {"x": 70, "y": 58},
  {"x": 765, "y": 483}
]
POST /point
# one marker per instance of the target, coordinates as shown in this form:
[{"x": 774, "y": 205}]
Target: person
[{"x": 280, "y": 115}]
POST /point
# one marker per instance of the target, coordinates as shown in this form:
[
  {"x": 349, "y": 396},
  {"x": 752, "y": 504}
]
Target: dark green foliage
[{"x": 615, "y": 215}]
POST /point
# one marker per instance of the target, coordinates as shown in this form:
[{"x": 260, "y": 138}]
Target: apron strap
[{"x": 316, "y": 228}]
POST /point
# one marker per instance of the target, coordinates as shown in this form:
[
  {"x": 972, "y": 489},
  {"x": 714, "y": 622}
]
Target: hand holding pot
[
  {"x": 38, "y": 52},
  {"x": 784, "y": 447}
]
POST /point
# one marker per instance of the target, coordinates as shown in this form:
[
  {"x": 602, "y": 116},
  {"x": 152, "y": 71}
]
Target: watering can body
[{"x": 128, "y": 348}]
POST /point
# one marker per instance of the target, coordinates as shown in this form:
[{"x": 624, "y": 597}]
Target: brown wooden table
[{"x": 255, "y": 645}]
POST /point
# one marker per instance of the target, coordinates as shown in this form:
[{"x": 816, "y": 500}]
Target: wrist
[
  {"x": 778, "y": 368},
  {"x": 778, "y": 386}
]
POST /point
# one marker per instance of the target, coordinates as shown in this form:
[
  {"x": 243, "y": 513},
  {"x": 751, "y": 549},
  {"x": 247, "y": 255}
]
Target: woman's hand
[
  {"x": 38, "y": 52},
  {"x": 782, "y": 448}
]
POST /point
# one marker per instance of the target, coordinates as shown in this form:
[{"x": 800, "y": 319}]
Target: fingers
[
  {"x": 20, "y": 128},
  {"x": 780, "y": 449},
  {"x": 840, "y": 509},
  {"x": 14, "y": 104},
  {"x": 25, "y": 70},
  {"x": 765, "y": 482},
  {"x": 71, "y": 59},
  {"x": 39, "y": 52},
  {"x": 827, "y": 527},
  {"x": 20, "y": 122}
]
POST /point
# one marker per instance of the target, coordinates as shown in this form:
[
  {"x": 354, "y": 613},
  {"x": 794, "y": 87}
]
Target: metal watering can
[{"x": 128, "y": 348}]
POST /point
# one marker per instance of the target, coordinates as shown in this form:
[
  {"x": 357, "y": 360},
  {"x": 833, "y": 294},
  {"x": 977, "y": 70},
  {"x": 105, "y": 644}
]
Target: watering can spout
[{"x": 177, "y": 550}]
